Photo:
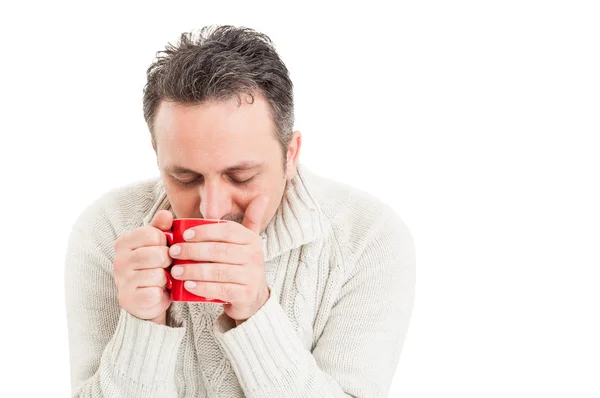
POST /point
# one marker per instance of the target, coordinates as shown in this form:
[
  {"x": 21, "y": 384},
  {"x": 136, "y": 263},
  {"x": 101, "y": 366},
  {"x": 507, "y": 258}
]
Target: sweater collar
[{"x": 297, "y": 221}]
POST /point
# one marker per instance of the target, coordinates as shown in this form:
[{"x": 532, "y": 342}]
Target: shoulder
[
  {"x": 360, "y": 223},
  {"x": 119, "y": 209}
]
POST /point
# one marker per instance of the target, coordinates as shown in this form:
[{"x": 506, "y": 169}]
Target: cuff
[
  {"x": 144, "y": 351},
  {"x": 264, "y": 349}
]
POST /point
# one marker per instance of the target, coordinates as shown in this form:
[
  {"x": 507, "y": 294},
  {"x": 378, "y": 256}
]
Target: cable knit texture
[{"x": 341, "y": 268}]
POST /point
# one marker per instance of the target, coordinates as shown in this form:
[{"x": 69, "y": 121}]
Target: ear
[
  {"x": 292, "y": 154},
  {"x": 153, "y": 146}
]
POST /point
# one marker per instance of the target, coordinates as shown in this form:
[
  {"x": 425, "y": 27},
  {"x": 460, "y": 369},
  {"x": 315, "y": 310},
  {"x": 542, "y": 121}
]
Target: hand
[
  {"x": 231, "y": 264},
  {"x": 140, "y": 257}
]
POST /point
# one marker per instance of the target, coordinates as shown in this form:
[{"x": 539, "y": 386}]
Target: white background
[{"x": 477, "y": 121}]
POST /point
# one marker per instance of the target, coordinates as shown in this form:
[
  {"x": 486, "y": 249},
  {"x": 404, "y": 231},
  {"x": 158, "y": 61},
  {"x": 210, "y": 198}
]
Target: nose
[{"x": 215, "y": 201}]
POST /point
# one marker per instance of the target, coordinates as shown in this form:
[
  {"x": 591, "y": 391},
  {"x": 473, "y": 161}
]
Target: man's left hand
[{"x": 231, "y": 263}]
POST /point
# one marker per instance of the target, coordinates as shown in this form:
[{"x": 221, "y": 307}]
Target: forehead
[
  {"x": 215, "y": 120},
  {"x": 219, "y": 132}
]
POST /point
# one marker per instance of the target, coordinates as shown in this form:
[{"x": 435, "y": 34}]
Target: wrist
[{"x": 263, "y": 297}]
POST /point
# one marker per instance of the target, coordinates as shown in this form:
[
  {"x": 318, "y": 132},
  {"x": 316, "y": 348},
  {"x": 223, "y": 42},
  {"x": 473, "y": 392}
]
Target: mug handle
[{"x": 169, "y": 235}]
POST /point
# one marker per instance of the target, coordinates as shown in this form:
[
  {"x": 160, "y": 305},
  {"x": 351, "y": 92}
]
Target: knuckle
[
  {"x": 137, "y": 256},
  {"x": 151, "y": 256},
  {"x": 199, "y": 234},
  {"x": 159, "y": 237},
  {"x": 228, "y": 292},
  {"x": 225, "y": 291},
  {"x": 149, "y": 297},
  {"x": 157, "y": 277},
  {"x": 152, "y": 236},
  {"x": 166, "y": 259},
  {"x": 220, "y": 273},
  {"x": 159, "y": 257},
  {"x": 190, "y": 250},
  {"x": 147, "y": 234},
  {"x": 214, "y": 250},
  {"x": 198, "y": 272},
  {"x": 225, "y": 249}
]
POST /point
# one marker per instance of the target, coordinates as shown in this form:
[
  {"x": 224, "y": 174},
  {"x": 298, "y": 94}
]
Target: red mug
[{"x": 175, "y": 235}]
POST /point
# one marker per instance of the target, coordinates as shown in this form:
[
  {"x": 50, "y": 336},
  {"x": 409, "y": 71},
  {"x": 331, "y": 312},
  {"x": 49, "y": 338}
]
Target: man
[{"x": 319, "y": 276}]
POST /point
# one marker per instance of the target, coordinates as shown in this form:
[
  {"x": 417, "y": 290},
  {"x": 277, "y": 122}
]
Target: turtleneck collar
[{"x": 297, "y": 221}]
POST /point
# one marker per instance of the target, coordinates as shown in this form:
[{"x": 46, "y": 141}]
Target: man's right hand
[{"x": 140, "y": 258}]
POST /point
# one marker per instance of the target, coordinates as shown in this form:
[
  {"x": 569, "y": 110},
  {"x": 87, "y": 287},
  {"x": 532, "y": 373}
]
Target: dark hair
[{"x": 220, "y": 63}]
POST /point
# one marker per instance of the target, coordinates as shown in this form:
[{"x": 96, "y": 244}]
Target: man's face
[{"x": 216, "y": 157}]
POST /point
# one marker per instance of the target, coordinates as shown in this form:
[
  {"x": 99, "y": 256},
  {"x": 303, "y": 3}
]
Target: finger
[
  {"x": 230, "y": 232},
  {"x": 154, "y": 277},
  {"x": 163, "y": 305},
  {"x": 150, "y": 257},
  {"x": 228, "y": 292},
  {"x": 162, "y": 220},
  {"x": 255, "y": 213},
  {"x": 141, "y": 237},
  {"x": 149, "y": 297},
  {"x": 210, "y": 272},
  {"x": 217, "y": 252}
]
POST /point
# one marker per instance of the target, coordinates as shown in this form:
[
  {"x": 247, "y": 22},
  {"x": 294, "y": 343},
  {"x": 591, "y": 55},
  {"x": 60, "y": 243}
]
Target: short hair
[{"x": 219, "y": 63}]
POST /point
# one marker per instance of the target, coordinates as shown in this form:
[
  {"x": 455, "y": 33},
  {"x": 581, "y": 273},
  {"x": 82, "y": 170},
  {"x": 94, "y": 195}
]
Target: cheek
[{"x": 185, "y": 202}]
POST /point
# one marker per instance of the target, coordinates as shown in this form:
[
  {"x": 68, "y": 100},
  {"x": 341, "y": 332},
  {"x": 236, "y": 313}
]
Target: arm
[
  {"x": 113, "y": 354},
  {"x": 359, "y": 349}
]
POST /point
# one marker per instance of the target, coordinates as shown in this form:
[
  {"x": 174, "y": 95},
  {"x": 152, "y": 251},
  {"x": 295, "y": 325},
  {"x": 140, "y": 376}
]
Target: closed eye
[
  {"x": 240, "y": 182},
  {"x": 188, "y": 183},
  {"x": 195, "y": 181}
]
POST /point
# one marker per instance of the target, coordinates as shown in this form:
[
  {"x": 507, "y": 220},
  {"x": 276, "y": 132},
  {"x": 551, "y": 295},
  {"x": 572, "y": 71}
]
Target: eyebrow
[{"x": 241, "y": 166}]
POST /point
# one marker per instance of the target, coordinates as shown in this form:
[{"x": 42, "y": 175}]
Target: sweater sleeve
[
  {"x": 112, "y": 353},
  {"x": 358, "y": 351}
]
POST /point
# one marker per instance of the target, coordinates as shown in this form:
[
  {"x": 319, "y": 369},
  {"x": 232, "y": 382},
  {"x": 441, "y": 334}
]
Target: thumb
[
  {"x": 255, "y": 212},
  {"x": 162, "y": 220}
]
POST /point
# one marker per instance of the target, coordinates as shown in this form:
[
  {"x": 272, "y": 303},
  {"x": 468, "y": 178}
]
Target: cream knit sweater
[{"x": 341, "y": 269}]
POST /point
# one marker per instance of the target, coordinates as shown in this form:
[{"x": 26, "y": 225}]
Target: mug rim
[{"x": 204, "y": 219}]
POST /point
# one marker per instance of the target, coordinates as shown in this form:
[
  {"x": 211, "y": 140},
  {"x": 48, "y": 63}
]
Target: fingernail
[
  {"x": 175, "y": 250},
  {"x": 177, "y": 271},
  {"x": 189, "y": 234},
  {"x": 189, "y": 284}
]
